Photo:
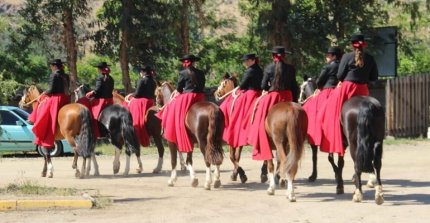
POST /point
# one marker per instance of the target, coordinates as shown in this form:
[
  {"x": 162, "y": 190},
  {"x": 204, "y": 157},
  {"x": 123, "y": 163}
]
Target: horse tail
[
  {"x": 297, "y": 123},
  {"x": 128, "y": 133},
  {"x": 86, "y": 140},
  {"x": 368, "y": 144},
  {"x": 214, "y": 152}
]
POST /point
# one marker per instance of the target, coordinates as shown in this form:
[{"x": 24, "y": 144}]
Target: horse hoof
[
  {"x": 74, "y": 166},
  {"x": 43, "y": 174},
  {"x": 170, "y": 183},
  {"x": 183, "y": 167},
  {"x": 139, "y": 170},
  {"x": 358, "y": 196},
  {"x": 283, "y": 183},
  {"x": 82, "y": 176},
  {"x": 379, "y": 199},
  {"x": 339, "y": 191},
  {"x": 312, "y": 178},
  {"x": 97, "y": 173},
  {"x": 233, "y": 176},
  {"x": 370, "y": 183},
  {"x": 291, "y": 198},
  {"x": 156, "y": 170},
  {"x": 271, "y": 191},
  {"x": 207, "y": 186},
  {"x": 264, "y": 178},
  {"x": 50, "y": 175},
  {"x": 77, "y": 174},
  {"x": 195, "y": 182},
  {"x": 217, "y": 184}
]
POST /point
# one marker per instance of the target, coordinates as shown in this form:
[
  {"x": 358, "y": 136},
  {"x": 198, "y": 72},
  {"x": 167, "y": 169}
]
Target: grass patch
[{"x": 27, "y": 187}]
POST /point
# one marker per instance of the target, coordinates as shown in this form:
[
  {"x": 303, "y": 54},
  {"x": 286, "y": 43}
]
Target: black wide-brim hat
[
  {"x": 334, "y": 50},
  {"x": 146, "y": 69},
  {"x": 190, "y": 57},
  {"x": 357, "y": 37},
  {"x": 57, "y": 62},
  {"x": 249, "y": 56},
  {"x": 102, "y": 65},
  {"x": 280, "y": 50}
]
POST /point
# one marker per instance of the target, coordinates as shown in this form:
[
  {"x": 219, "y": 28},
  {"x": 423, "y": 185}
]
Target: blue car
[{"x": 16, "y": 134}]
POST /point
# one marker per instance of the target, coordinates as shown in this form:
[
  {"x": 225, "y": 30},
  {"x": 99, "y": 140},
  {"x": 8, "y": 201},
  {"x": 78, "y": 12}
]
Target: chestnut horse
[
  {"x": 286, "y": 125},
  {"x": 74, "y": 125},
  {"x": 226, "y": 88},
  {"x": 204, "y": 123},
  {"x": 363, "y": 128}
]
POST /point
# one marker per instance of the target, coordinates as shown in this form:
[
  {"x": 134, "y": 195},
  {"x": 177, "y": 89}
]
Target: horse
[
  {"x": 363, "y": 128},
  {"x": 74, "y": 125},
  {"x": 204, "y": 123},
  {"x": 226, "y": 88},
  {"x": 115, "y": 123},
  {"x": 286, "y": 125}
]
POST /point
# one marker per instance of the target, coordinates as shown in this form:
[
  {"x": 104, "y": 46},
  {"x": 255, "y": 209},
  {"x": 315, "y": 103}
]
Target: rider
[
  {"x": 356, "y": 70},
  {"x": 190, "y": 89},
  {"x": 45, "y": 117},
  {"x": 239, "y": 108},
  {"x": 140, "y": 101},
  {"x": 102, "y": 94},
  {"x": 326, "y": 82},
  {"x": 279, "y": 85}
]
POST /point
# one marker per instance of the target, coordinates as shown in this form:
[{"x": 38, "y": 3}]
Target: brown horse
[
  {"x": 363, "y": 129},
  {"x": 204, "y": 123},
  {"x": 74, "y": 125},
  {"x": 286, "y": 125}
]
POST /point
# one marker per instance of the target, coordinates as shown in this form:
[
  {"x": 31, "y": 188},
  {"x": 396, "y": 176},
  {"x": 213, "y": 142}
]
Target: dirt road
[{"x": 147, "y": 198}]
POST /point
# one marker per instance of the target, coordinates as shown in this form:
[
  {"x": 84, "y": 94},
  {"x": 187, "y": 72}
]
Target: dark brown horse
[
  {"x": 204, "y": 123},
  {"x": 74, "y": 125},
  {"x": 286, "y": 125},
  {"x": 363, "y": 129}
]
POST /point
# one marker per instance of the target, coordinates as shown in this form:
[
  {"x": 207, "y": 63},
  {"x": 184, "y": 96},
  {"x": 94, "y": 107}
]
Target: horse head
[
  {"x": 81, "y": 91},
  {"x": 117, "y": 97},
  {"x": 226, "y": 86},
  {"x": 163, "y": 93},
  {"x": 307, "y": 89},
  {"x": 29, "y": 97}
]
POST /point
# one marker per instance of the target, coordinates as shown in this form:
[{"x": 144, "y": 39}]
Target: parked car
[{"x": 16, "y": 134}]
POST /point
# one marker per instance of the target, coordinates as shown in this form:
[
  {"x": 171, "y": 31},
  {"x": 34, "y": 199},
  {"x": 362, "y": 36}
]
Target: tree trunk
[
  {"x": 185, "y": 28},
  {"x": 125, "y": 41},
  {"x": 70, "y": 45}
]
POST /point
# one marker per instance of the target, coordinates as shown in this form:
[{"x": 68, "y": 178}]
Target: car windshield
[{"x": 21, "y": 113}]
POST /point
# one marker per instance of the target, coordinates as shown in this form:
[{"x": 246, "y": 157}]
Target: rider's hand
[{"x": 89, "y": 94}]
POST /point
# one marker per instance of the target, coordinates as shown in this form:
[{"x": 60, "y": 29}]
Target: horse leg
[
  {"x": 45, "y": 165},
  {"x": 194, "y": 180},
  {"x": 182, "y": 161},
  {"x": 208, "y": 181},
  {"x": 314, "y": 174},
  {"x": 377, "y": 164},
  {"x": 358, "y": 194},
  {"x": 240, "y": 171},
  {"x": 160, "y": 148},
  {"x": 270, "y": 170},
  {"x": 233, "y": 176},
  {"x": 116, "y": 162},
  {"x": 127, "y": 164},
  {"x": 173, "y": 154},
  {"x": 291, "y": 174},
  {"x": 96, "y": 165},
  {"x": 75, "y": 163},
  {"x": 263, "y": 175},
  {"x": 139, "y": 161},
  {"x": 83, "y": 171},
  {"x": 217, "y": 181},
  {"x": 337, "y": 172},
  {"x": 50, "y": 167}
]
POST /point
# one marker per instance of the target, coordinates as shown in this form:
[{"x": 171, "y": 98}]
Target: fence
[{"x": 407, "y": 106}]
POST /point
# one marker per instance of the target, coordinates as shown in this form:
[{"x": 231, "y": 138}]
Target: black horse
[
  {"x": 363, "y": 130},
  {"x": 115, "y": 123}
]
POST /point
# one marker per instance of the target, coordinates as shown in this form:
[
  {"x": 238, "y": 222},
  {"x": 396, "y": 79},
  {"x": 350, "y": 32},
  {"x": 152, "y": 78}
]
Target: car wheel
[{"x": 56, "y": 151}]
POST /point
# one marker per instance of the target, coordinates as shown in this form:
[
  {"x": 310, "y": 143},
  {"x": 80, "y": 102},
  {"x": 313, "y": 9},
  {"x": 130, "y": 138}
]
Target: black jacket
[
  {"x": 104, "y": 87},
  {"x": 252, "y": 78},
  {"x": 191, "y": 80},
  {"x": 289, "y": 79},
  {"x": 145, "y": 88},
  {"x": 58, "y": 83},
  {"x": 328, "y": 78},
  {"x": 360, "y": 75}
]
